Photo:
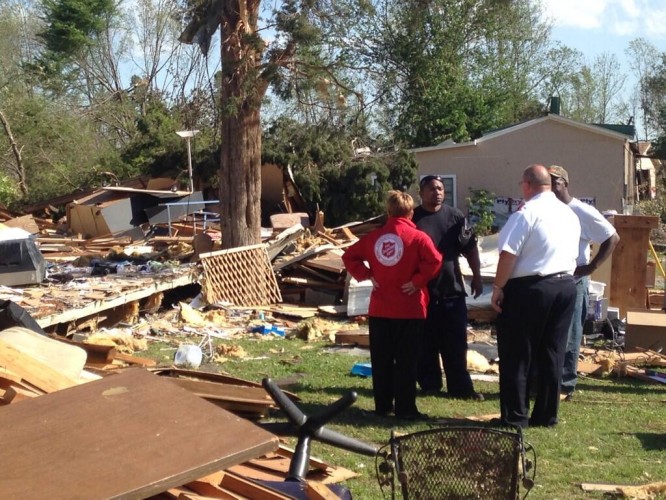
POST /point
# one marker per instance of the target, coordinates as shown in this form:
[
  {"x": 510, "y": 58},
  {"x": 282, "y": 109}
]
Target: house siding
[{"x": 599, "y": 164}]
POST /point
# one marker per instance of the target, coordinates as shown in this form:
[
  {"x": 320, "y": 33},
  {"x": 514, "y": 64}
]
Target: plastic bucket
[{"x": 188, "y": 355}]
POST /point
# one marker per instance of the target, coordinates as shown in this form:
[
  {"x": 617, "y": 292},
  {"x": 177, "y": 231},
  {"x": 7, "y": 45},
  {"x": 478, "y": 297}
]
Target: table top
[{"x": 129, "y": 435}]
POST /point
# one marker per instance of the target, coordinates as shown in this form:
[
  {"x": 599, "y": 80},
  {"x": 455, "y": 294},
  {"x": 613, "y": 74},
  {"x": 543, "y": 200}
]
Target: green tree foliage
[
  {"x": 72, "y": 26},
  {"x": 8, "y": 191},
  {"x": 655, "y": 90},
  {"x": 592, "y": 94},
  {"x": 156, "y": 149},
  {"x": 63, "y": 148},
  {"x": 644, "y": 61},
  {"x": 449, "y": 69},
  {"x": 75, "y": 116},
  {"x": 344, "y": 181}
]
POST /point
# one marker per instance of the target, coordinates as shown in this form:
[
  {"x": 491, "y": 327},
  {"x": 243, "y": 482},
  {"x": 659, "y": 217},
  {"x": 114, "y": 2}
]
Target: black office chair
[{"x": 456, "y": 462}]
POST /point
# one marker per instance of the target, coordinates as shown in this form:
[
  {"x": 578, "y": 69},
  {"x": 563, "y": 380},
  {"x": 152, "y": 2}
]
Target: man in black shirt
[{"x": 446, "y": 325}]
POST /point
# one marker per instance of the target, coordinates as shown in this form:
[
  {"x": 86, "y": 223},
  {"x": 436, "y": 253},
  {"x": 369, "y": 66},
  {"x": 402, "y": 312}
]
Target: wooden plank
[
  {"x": 63, "y": 358},
  {"x": 649, "y": 490},
  {"x": 319, "y": 491},
  {"x": 33, "y": 371},
  {"x": 96, "y": 353},
  {"x": 15, "y": 393},
  {"x": 208, "y": 490},
  {"x": 201, "y": 375},
  {"x": 310, "y": 252},
  {"x": 339, "y": 310},
  {"x": 329, "y": 261},
  {"x": 348, "y": 234},
  {"x": 293, "y": 311},
  {"x": 249, "y": 470},
  {"x": 284, "y": 221},
  {"x": 135, "y": 360},
  {"x": 330, "y": 239},
  {"x": 25, "y": 222},
  {"x": 319, "y": 221},
  {"x": 213, "y": 390},
  {"x": 604, "y": 488},
  {"x": 357, "y": 337},
  {"x": 590, "y": 368},
  {"x": 314, "y": 463},
  {"x": 94, "y": 435},
  {"x": 250, "y": 489}
]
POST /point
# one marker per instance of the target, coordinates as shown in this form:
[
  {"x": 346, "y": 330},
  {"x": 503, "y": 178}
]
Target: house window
[{"x": 449, "y": 182}]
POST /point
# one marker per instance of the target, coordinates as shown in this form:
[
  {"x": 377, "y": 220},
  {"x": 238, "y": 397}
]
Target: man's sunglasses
[{"x": 429, "y": 178}]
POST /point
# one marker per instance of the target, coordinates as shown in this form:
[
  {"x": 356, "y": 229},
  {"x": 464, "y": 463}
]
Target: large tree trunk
[
  {"x": 240, "y": 163},
  {"x": 240, "y": 180}
]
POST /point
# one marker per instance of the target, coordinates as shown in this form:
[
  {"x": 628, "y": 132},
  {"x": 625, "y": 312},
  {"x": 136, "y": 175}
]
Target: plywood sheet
[
  {"x": 627, "y": 284},
  {"x": 126, "y": 436}
]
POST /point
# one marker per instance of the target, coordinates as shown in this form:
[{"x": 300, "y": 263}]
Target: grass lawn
[{"x": 613, "y": 432}]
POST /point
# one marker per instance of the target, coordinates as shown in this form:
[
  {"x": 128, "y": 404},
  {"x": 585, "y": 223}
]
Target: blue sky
[{"x": 598, "y": 26}]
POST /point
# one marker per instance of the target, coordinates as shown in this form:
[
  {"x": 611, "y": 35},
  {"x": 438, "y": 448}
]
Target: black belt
[{"x": 537, "y": 277}]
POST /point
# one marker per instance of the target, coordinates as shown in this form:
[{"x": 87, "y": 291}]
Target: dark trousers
[
  {"x": 393, "y": 351},
  {"x": 532, "y": 333},
  {"x": 445, "y": 335}
]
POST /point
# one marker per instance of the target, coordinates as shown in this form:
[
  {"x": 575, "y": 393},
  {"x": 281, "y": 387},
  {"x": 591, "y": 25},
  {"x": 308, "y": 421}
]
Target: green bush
[
  {"x": 653, "y": 208},
  {"x": 480, "y": 204},
  {"x": 8, "y": 190}
]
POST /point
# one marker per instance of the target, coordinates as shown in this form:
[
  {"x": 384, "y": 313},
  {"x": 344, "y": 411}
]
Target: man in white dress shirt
[{"x": 534, "y": 294}]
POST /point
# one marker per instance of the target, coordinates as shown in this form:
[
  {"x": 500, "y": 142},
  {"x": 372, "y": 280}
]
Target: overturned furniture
[{"x": 458, "y": 462}]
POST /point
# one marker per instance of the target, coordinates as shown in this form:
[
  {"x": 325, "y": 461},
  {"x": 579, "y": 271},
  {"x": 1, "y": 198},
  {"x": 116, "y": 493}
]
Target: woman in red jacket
[{"x": 400, "y": 260}]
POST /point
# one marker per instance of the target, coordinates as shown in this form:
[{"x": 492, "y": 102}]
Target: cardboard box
[{"x": 646, "y": 329}]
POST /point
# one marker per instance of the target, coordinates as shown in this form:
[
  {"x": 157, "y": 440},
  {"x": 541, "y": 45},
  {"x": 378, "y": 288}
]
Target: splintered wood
[{"x": 241, "y": 276}]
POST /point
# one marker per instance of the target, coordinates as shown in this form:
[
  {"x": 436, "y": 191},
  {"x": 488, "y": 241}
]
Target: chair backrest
[{"x": 458, "y": 462}]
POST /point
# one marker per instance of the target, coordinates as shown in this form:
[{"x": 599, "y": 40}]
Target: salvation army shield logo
[{"x": 389, "y": 249}]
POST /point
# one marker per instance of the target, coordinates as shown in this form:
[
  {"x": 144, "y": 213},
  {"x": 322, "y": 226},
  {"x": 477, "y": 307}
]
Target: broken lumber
[
  {"x": 283, "y": 239},
  {"x": 65, "y": 359},
  {"x": 356, "y": 337},
  {"x": 34, "y": 371}
]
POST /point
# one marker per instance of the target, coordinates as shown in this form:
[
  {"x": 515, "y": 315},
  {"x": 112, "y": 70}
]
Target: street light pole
[{"x": 188, "y": 134}]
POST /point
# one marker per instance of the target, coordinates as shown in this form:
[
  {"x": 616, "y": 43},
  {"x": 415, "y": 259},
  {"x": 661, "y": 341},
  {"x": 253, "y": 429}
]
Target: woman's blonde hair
[{"x": 399, "y": 204}]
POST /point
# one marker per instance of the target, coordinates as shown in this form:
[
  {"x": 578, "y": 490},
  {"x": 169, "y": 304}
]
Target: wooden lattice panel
[{"x": 242, "y": 276}]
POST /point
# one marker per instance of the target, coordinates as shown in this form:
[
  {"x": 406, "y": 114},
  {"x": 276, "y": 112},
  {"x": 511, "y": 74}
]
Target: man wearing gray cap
[{"x": 594, "y": 229}]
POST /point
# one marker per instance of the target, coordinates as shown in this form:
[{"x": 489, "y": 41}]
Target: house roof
[{"x": 596, "y": 129}]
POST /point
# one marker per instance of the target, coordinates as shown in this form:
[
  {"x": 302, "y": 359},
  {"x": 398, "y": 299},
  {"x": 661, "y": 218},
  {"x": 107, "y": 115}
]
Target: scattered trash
[
  {"x": 268, "y": 329},
  {"x": 362, "y": 369},
  {"x": 188, "y": 356}
]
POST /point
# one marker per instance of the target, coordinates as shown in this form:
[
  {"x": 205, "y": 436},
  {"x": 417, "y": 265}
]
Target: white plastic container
[
  {"x": 188, "y": 356},
  {"x": 596, "y": 288}
]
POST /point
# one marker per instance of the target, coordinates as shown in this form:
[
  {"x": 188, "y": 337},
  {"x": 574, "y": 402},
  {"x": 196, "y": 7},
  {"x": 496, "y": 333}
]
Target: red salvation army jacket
[{"x": 393, "y": 255}]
